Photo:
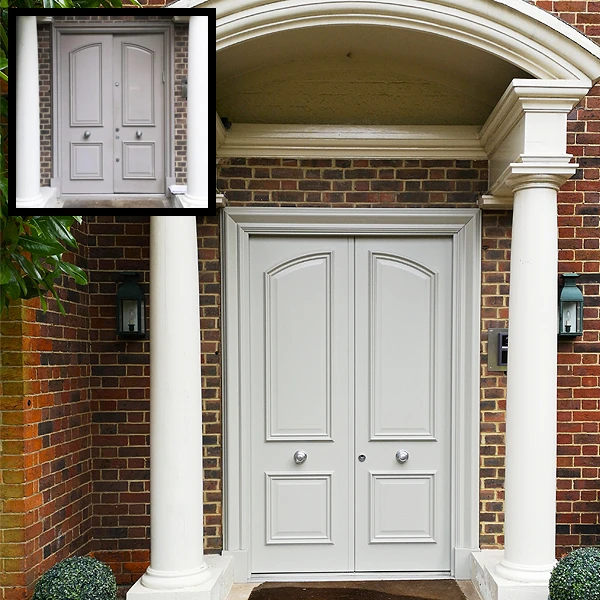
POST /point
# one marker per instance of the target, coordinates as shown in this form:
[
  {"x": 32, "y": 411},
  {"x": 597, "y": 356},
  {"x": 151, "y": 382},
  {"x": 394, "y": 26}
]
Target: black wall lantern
[
  {"x": 131, "y": 319},
  {"x": 570, "y": 308}
]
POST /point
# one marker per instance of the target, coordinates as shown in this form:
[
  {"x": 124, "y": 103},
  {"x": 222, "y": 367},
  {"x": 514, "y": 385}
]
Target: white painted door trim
[
  {"x": 464, "y": 226},
  {"x": 166, "y": 29}
]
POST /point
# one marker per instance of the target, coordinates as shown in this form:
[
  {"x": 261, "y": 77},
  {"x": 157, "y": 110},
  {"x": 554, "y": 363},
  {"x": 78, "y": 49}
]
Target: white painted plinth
[
  {"x": 493, "y": 587},
  {"x": 216, "y": 588},
  {"x": 48, "y": 199}
]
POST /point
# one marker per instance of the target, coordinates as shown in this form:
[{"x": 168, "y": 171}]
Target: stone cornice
[{"x": 311, "y": 141}]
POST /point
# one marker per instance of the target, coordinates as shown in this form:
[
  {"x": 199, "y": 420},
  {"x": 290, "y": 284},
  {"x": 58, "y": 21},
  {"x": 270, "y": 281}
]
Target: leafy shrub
[
  {"x": 577, "y": 576},
  {"x": 77, "y": 578}
]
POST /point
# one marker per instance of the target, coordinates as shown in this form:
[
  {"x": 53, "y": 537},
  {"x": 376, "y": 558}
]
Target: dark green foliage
[
  {"x": 577, "y": 576},
  {"x": 31, "y": 250},
  {"x": 77, "y": 578}
]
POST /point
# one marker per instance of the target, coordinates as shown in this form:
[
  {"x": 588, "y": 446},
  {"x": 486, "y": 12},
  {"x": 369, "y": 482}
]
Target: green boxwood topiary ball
[
  {"x": 577, "y": 576},
  {"x": 77, "y": 578}
]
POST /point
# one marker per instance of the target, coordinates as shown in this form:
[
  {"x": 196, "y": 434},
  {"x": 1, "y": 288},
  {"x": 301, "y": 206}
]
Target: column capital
[
  {"x": 536, "y": 173},
  {"x": 528, "y": 172}
]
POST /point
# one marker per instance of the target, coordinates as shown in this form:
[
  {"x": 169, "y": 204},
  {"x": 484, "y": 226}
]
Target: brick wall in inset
[
  {"x": 180, "y": 108},
  {"x": 45, "y": 70}
]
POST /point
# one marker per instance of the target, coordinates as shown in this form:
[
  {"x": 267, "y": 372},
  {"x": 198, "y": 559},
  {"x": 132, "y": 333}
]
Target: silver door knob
[
  {"x": 402, "y": 456},
  {"x": 87, "y": 134},
  {"x": 138, "y": 134},
  {"x": 300, "y": 457}
]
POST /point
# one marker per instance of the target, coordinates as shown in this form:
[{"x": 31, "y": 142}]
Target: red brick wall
[
  {"x": 345, "y": 183},
  {"x": 579, "y": 361},
  {"x": 120, "y": 396},
  {"x": 74, "y": 475},
  {"x": 92, "y": 411},
  {"x": 45, "y": 470},
  {"x": 350, "y": 183}
]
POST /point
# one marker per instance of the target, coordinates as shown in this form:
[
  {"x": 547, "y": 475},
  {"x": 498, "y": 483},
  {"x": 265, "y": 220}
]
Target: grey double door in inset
[{"x": 112, "y": 114}]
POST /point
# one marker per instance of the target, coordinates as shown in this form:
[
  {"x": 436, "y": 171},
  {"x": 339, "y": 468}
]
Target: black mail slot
[{"x": 502, "y": 349}]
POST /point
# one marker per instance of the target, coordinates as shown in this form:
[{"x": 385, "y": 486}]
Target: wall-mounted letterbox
[{"x": 497, "y": 349}]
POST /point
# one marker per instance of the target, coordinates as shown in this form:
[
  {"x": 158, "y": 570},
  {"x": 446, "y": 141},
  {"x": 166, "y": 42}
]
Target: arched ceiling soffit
[{"x": 386, "y": 61}]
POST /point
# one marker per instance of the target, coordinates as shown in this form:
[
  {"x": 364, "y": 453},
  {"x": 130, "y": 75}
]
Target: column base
[
  {"x": 185, "y": 201},
  {"x": 47, "y": 199},
  {"x": 216, "y": 588},
  {"x": 492, "y": 586}
]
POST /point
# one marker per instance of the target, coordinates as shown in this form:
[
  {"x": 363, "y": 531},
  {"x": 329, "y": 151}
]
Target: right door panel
[
  {"x": 403, "y": 319},
  {"x": 139, "y": 114}
]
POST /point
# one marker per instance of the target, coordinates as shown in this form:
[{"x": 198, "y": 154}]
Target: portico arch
[{"x": 514, "y": 30}]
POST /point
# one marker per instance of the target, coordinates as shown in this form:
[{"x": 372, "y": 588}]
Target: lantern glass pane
[
  {"x": 569, "y": 317},
  {"x": 130, "y": 316}
]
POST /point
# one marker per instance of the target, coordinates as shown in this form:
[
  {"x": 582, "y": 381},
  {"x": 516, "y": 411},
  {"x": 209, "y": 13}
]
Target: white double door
[{"x": 350, "y": 344}]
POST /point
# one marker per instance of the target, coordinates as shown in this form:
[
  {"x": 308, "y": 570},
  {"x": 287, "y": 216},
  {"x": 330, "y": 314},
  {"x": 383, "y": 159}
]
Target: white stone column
[
  {"x": 28, "y": 115},
  {"x": 530, "y": 483},
  {"x": 197, "y": 115},
  {"x": 176, "y": 509}
]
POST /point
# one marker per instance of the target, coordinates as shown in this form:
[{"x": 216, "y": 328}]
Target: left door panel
[{"x": 86, "y": 114}]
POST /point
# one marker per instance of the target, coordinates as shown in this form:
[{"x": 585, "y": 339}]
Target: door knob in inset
[
  {"x": 402, "y": 456},
  {"x": 362, "y": 458},
  {"x": 87, "y": 134},
  {"x": 300, "y": 457},
  {"x": 138, "y": 134}
]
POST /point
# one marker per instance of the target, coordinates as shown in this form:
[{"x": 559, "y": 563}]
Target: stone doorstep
[
  {"x": 493, "y": 587},
  {"x": 216, "y": 588}
]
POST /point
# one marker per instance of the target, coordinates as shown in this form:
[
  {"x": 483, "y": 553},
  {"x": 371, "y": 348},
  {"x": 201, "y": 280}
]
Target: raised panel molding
[
  {"x": 86, "y": 161},
  {"x": 138, "y": 103},
  {"x": 138, "y": 160},
  {"x": 417, "y": 322},
  {"x": 298, "y": 508},
  {"x": 293, "y": 400},
  {"x": 86, "y": 93},
  {"x": 402, "y": 507}
]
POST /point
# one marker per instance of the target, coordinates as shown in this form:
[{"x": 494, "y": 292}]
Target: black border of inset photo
[{"x": 211, "y": 187}]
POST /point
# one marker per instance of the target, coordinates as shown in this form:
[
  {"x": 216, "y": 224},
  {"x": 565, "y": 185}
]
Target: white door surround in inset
[
  {"x": 462, "y": 227},
  {"x": 146, "y": 159}
]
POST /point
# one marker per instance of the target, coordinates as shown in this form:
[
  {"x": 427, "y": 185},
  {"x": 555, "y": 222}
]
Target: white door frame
[
  {"x": 59, "y": 29},
  {"x": 464, "y": 226}
]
